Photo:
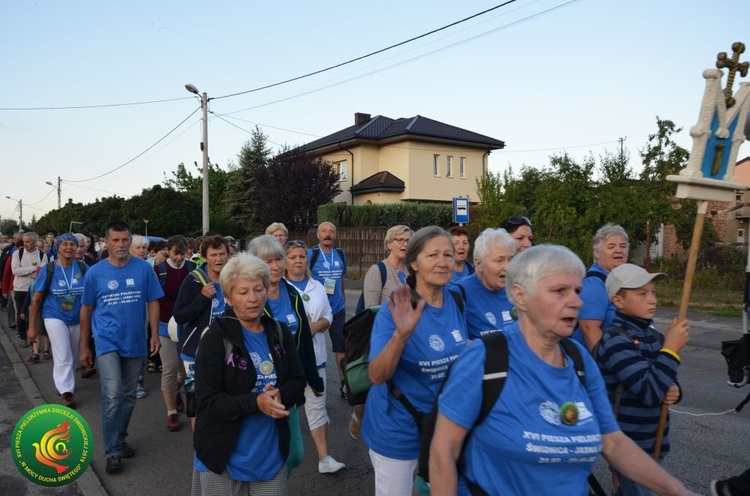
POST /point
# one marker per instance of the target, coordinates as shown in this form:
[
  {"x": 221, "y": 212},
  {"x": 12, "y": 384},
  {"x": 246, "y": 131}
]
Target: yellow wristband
[{"x": 671, "y": 353}]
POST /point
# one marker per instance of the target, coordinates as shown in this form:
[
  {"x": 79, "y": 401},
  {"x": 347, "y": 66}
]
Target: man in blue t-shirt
[
  {"x": 328, "y": 266},
  {"x": 118, "y": 295}
]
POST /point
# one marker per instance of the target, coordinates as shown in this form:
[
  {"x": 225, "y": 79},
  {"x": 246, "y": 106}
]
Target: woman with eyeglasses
[
  {"x": 376, "y": 288},
  {"x": 463, "y": 268},
  {"x": 320, "y": 316},
  {"x": 285, "y": 304},
  {"x": 381, "y": 280},
  {"x": 519, "y": 227},
  {"x": 278, "y": 231}
]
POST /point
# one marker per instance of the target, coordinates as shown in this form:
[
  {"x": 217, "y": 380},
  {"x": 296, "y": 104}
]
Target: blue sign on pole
[{"x": 461, "y": 210}]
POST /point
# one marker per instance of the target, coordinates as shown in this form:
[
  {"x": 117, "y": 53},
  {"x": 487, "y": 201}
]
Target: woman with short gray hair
[
  {"x": 374, "y": 290},
  {"x": 552, "y": 422},
  {"x": 487, "y": 306},
  {"x": 249, "y": 380},
  {"x": 610, "y": 246}
]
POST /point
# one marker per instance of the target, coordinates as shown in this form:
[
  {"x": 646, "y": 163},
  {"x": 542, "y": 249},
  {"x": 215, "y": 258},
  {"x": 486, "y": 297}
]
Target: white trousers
[
  {"x": 315, "y": 406},
  {"x": 393, "y": 477},
  {"x": 65, "y": 341}
]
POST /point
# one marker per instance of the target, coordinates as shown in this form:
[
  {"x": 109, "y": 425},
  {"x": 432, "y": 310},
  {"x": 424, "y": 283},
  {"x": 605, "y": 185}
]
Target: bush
[{"x": 414, "y": 215}]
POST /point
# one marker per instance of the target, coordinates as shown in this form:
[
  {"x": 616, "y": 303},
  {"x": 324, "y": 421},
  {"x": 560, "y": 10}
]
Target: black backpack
[
  {"x": 383, "y": 277},
  {"x": 495, "y": 373},
  {"x": 316, "y": 253},
  {"x": 357, "y": 334}
]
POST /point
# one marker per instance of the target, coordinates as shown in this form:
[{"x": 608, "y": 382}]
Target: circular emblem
[
  {"x": 112, "y": 285},
  {"x": 215, "y": 303},
  {"x": 52, "y": 445},
  {"x": 61, "y": 283},
  {"x": 514, "y": 313},
  {"x": 266, "y": 367},
  {"x": 436, "y": 343},
  {"x": 491, "y": 318},
  {"x": 569, "y": 413},
  {"x": 256, "y": 359}
]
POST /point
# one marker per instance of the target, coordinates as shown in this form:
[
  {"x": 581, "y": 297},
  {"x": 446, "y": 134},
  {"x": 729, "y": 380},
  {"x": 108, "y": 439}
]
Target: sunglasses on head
[
  {"x": 295, "y": 243},
  {"x": 516, "y": 220}
]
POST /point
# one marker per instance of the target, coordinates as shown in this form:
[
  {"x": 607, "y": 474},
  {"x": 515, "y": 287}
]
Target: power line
[
  {"x": 361, "y": 57},
  {"x": 137, "y": 156},
  {"x": 108, "y": 105},
  {"x": 245, "y": 130},
  {"x": 447, "y": 47},
  {"x": 267, "y": 125}
]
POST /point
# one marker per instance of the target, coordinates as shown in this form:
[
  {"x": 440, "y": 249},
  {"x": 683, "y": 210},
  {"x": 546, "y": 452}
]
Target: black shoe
[
  {"x": 114, "y": 464},
  {"x": 720, "y": 488},
  {"x": 13, "y": 326},
  {"x": 127, "y": 451}
]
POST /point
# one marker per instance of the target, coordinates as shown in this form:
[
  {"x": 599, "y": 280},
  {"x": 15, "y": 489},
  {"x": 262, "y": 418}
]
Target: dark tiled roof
[
  {"x": 381, "y": 128},
  {"x": 379, "y": 182}
]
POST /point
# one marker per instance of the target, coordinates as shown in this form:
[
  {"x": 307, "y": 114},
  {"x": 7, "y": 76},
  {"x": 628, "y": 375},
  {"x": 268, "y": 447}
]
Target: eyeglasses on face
[{"x": 400, "y": 240}]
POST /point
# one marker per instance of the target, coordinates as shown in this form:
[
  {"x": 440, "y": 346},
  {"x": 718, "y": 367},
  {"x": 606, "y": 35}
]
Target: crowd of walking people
[{"x": 242, "y": 335}]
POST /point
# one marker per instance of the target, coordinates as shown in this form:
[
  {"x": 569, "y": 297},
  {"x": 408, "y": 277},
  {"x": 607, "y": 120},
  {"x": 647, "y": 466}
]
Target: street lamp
[
  {"x": 59, "y": 190},
  {"x": 145, "y": 221},
  {"x": 20, "y": 212},
  {"x": 204, "y": 147}
]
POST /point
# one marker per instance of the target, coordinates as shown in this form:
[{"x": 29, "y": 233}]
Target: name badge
[
  {"x": 329, "y": 285},
  {"x": 67, "y": 302}
]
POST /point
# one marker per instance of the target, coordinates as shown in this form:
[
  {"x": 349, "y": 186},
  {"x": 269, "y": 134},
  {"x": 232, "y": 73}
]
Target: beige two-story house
[{"x": 384, "y": 160}]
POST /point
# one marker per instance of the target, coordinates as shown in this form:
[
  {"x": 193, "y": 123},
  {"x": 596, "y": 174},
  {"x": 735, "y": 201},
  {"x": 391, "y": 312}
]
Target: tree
[
  {"x": 168, "y": 212},
  {"x": 291, "y": 187},
  {"x": 184, "y": 181},
  {"x": 253, "y": 156}
]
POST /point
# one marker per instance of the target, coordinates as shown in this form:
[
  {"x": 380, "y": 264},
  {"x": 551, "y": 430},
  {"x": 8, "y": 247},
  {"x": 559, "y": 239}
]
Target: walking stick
[{"x": 687, "y": 286}]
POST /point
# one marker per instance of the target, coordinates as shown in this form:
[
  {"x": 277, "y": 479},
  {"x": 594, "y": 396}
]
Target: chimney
[{"x": 360, "y": 118}]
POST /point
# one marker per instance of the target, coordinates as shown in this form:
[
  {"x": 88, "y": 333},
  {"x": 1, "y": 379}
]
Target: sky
[{"x": 545, "y": 76}]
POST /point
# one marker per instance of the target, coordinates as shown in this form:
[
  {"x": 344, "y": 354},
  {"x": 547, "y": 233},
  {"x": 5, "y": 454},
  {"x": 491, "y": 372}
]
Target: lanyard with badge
[
  {"x": 69, "y": 298},
  {"x": 329, "y": 283}
]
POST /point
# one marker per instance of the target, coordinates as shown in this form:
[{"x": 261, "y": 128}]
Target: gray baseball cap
[{"x": 629, "y": 276}]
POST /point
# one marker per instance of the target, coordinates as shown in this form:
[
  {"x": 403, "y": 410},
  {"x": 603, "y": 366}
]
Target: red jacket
[{"x": 7, "y": 277}]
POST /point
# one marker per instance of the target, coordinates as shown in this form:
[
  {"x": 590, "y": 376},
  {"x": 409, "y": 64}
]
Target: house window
[
  {"x": 738, "y": 197},
  {"x": 436, "y": 165},
  {"x": 341, "y": 169},
  {"x": 462, "y": 167},
  {"x": 448, "y": 166},
  {"x": 740, "y": 235}
]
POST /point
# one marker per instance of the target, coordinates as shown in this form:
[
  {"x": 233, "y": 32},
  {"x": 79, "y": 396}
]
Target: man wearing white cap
[{"x": 638, "y": 363}]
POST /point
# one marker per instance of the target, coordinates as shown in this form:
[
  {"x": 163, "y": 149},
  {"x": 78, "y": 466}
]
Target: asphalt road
[{"x": 707, "y": 441}]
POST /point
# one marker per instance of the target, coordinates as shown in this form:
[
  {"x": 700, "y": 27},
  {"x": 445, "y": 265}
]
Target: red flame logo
[{"x": 53, "y": 447}]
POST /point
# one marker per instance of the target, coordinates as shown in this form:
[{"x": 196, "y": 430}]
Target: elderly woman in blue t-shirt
[
  {"x": 248, "y": 378},
  {"x": 487, "y": 306},
  {"x": 549, "y": 424},
  {"x": 415, "y": 338}
]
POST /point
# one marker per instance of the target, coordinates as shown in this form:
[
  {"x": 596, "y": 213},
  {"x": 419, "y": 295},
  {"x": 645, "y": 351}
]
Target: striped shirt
[{"x": 633, "y": 358}]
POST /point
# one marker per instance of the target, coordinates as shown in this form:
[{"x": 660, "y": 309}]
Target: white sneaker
[
  {"x": 140, "y": 392},
  {"x": 329, "y": 466}
]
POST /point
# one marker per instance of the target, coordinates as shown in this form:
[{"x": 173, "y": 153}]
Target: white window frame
[
  {"x": 449, "y": 166},
  {"x": 341, "y": 167},
  {"x": 436, "y": 165},
  {"x": 741, "y": 235},
  {"x": 462, "y": 167}
]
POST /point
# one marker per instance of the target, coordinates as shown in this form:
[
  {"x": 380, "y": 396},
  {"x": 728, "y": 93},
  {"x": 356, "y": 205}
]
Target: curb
[{"x": 88, "y": 483}]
